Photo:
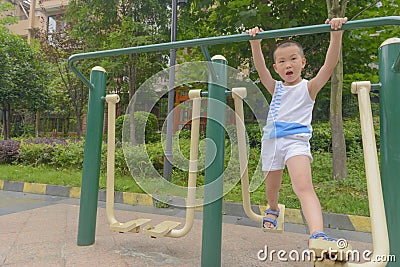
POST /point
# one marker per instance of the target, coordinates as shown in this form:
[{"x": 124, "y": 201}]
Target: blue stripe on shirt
[{"x": 282, "y": 129}]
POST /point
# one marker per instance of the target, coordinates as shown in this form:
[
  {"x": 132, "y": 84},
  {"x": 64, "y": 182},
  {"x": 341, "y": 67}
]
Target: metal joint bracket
[
  {"x": 196, "y": 93},
  {"x": 357, "y": 86},
  {"x": 113, "y": 98},
  {"x": 240, "y": 92}
]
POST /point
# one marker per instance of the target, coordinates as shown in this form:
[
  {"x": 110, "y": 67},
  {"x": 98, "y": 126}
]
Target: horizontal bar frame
[{"x": 202, "y": 42}]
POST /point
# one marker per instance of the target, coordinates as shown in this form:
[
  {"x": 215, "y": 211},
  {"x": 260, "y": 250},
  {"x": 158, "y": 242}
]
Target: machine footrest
[
  {"x": 329, "y": 251},
  {"x": 131, "y": 226},
  {"x": 160, "y": 229}
]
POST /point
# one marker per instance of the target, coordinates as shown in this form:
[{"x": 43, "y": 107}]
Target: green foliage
[
  {"x": 122, "y": 24},
  {"x": 23, "y": 77},
  {"x": 35, "y": 154},
  {"x": 149, "y": 122},
  {"x": 144, "y": 122},
  {"x": 5, "y": 8},
  {"x": 22, "y": 73},
  {"x": 254, "y": 134},
  {"x": 119, "y": 123},
  {"x": 69, "y": 155},
  {"x": 322, "y": 139}
]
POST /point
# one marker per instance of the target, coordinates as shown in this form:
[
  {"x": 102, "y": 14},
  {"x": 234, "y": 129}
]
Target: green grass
[
  {"x": 68, "y": 177},
  {"x": 347, "y": 197}
]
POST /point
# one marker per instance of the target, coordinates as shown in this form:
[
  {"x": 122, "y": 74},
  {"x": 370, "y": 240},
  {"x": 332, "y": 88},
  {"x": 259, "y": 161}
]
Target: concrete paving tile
[
  {"x": 102, "y": 244},
  {"x": 6, "y": 243},
  {"x": 34, "y": 252},
  {"x": 44, "y": 225},
  {"x": 13, "y": 224},
  {"x": 95, "y": 260},
  {"x": 38, "y": 263},
  {"x": 33, "y": 237}
]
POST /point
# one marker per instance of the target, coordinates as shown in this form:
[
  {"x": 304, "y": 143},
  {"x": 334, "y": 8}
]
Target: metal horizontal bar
[
  {"x": 304, "y": 30},
  {"x": 375, "y": 87}
]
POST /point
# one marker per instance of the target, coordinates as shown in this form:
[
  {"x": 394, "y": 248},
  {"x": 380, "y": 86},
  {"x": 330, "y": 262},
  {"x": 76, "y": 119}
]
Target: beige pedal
[
  {"x": 329, "y": 250},
  {"x": 325, "y": 263},
  {"x": 279, "y": 221},
  {"x": 131, "y": 226},
  {"x": 161, "y": 229}
]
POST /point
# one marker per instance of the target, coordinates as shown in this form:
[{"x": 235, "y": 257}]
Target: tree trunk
[
  {"x": 37, "y": 123},
  {"x": 3, "y": 119},
  {"x": 339, "y": 157},
  {"x": 6, "y": 121},
  {"x": 339, "y": 168},
  {"x": 132, "y": 90}
]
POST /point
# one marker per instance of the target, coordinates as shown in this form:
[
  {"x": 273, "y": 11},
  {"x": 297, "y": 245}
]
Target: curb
[{"x": 295, "y": 216}]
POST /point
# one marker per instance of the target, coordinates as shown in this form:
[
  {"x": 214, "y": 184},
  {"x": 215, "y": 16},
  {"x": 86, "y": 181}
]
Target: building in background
[{"x": 45, "y": 14}]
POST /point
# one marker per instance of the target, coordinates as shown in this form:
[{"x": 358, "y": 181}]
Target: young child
[{"x": 288, "y": 130}]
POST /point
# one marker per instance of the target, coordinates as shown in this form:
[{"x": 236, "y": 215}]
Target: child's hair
[{"x": 287, "y": 44}]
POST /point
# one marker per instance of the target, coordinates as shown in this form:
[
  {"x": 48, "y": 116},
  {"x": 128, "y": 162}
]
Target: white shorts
[{"x": 275, "y": 152}]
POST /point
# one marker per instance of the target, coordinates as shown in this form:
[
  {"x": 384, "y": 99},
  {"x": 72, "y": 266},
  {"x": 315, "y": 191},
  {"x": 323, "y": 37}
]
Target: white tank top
[{"x": 290, "y": 111}]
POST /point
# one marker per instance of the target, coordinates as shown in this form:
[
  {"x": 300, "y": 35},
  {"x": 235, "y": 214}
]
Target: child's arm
[
  {"x": 259, "y": 62},
  {"x": 332, "y": 57}
]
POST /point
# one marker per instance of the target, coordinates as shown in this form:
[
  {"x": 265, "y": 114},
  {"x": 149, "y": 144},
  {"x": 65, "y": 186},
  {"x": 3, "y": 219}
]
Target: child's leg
[
  {"x": 300, "y": 173},
  {"x": 272, "y": 185}
]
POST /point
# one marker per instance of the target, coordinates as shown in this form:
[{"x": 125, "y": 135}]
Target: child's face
[{"x": 289, "y": 63}]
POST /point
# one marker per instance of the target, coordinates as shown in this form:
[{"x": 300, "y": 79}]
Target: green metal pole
[
  {"x": 390, "y": 140},
  {"x": 91, "y": 159},
  {"x": 213, "y": 181}
]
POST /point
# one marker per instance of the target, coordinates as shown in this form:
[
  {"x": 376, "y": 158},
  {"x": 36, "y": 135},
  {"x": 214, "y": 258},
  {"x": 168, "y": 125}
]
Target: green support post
[
  {"x": 91, "y": 159},
  {"x": 212, "y": 211},
  {"x": 390, "y": 139}
]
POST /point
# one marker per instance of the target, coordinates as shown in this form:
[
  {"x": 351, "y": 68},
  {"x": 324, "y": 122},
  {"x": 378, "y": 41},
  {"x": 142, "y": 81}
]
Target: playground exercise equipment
[
  {"x": 133, "y": 225},
  {"x": 389, "y": 73},
  {"x": 166, "y": 228},
  {"x": 374, "y": 187},
  {"x": 238, "y": 94}
]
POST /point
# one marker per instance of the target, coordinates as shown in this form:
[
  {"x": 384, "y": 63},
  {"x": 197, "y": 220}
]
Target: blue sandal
[
  {"x": 319, "y": 234},
  {"x": 321, "y": 244},
  {"x": 271, "y": 220}
]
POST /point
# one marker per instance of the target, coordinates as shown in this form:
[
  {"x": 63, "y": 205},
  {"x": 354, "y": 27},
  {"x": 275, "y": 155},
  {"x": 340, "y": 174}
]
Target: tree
[
  {"x": 57, "y": 43},
  {"x": 22, "y": 78},
  {"x": 123, "y": 24},
  {"x": 5, "y": 7}
]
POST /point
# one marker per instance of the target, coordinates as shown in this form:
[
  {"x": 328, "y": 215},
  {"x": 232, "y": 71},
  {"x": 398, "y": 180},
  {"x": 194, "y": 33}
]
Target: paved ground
[{"x": 41, "y": 230}]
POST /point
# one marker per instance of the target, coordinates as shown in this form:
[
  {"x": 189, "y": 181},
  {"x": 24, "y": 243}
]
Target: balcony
[{"x": 52, "y": 7}]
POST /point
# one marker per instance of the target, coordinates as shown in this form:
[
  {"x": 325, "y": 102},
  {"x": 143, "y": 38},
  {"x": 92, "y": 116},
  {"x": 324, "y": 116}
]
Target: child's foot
[
  {"x": 325, "y": 246},
  {"x": 270, "y": 219}
]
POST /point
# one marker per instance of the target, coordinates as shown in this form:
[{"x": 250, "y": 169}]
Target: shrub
[
  {"x": 142, "y": 120},
  {"x": 46, "y": 141},
  {"x": 68, "y": 155},
  {"x": 56, "y": 152},
  {"x": 9, "y": 151},
  {"x": 322, "y": 136},
  {"x": 254, "y": 134},
  {"x": 35, "y": 153}
]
